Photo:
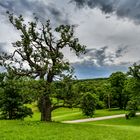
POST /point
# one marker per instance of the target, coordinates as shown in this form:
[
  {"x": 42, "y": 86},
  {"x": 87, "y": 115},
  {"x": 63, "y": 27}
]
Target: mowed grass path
[{"x": 114, "y": 129}]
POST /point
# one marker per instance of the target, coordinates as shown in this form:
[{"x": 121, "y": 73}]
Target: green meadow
[
  {"x": 33, "y": 129},
  {"x": 64, "y": 114}
]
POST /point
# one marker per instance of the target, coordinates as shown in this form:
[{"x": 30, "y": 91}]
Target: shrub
[
  {"x": 100, "y": 105},
  {"x": 12, "y": 101},
  {"x": 132, "y": 107},
  {"x": 88, "y": 104}
]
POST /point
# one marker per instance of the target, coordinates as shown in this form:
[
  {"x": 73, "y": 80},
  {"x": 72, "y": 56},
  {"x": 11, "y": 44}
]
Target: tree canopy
[
  {"x": 117, "y": 81},
  {"x": 13, "y": 98},
  {"x": 39, "y": 54}
]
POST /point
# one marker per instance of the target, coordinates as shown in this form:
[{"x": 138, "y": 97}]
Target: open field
[
  {"x": 115, "y": 129},
  {"x": 33, "y": 129}
]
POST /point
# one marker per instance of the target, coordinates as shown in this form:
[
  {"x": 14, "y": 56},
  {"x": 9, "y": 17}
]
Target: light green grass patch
[
  {"x": 35, "y": 130},
  {"x": 64, "y": 114}
]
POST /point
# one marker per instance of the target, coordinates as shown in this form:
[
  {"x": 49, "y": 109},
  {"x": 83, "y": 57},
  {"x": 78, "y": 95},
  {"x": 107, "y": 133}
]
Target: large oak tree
[{"x": 39, "y": 54}]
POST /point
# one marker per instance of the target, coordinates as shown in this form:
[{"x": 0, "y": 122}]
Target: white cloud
[{"x": 96, "y": 31}]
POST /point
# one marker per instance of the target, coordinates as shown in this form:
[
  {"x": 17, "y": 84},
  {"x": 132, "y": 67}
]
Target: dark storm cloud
[
  {"x": 59, "y": 15},
  {"x": 120, "y": 51},
  {"x": 40, "y": 8},
  {"x": 22, "y": 6},
  {"x": 97, "y": 63},
  {"x": 104, "y": 5},
  {"x": 101, "y": 56},
  {"x": 122, "y": 8}
]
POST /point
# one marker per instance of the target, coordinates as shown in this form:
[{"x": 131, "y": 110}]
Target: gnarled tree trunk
[
  {"x": 45, "y": 101},
  {"x": 46, "y": 109}
]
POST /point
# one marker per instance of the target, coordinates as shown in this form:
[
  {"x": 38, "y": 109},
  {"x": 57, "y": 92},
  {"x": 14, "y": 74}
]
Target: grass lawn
[
  {"x": 33, "y": 129},
  {"x": 118, "y": 122},
  {"x": 63, "y": 114},
  {"x": 115, "y": 129}
]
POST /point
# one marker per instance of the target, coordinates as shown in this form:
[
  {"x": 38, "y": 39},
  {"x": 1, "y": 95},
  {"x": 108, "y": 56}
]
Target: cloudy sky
[{"x": 109, "y": 28}]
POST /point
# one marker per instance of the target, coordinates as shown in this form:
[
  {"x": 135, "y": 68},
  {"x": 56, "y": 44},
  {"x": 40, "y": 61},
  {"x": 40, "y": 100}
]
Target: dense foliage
[
  {"x": 117, "y": 81},
  {"x": 85, "y": 94},
  {"x": 133, "y": 88},
  {"x": 88, "y": 104},
  {"x": 13, "y": 100}
]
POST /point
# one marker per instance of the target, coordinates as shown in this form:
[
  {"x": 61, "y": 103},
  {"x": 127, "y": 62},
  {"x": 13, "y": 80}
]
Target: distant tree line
[{"x": 118, "y": 91}]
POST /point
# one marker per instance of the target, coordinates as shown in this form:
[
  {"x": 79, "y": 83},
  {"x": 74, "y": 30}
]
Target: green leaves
[
  {"x": 88, "y": 103},
  {"x": 134, "y": 71},
  {"x": 39, "y": 54},
  {"x": 13, "y": 99},
  {"x": 133, "y": 88},
  {"x": 117, "y": 79},
  {"x": 40, "y": 47}
]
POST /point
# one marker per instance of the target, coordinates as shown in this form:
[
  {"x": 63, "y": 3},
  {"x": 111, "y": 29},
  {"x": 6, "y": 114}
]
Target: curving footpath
[{"x": 96, "y": 119}]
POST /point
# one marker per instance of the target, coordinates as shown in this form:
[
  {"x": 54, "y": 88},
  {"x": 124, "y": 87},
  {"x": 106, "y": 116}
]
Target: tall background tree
[
  {"x": 133, "y": 88},
  {"x": 38, "y": 54},
  {"x": 117, "y": 81},
  {"x": 134, "y": 71}
]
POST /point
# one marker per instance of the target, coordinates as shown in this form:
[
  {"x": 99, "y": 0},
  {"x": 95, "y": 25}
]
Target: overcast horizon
[{"x": 109, "y": 28}]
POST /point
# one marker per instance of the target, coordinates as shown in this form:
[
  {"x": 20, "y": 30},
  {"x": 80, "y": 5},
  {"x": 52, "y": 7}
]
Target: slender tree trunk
[
  {"x": 10, "y": 114},
  {"x": 120, "y": 101},
  {"x": 109, "y": 106},
  {"x": 46, "y": 109}
]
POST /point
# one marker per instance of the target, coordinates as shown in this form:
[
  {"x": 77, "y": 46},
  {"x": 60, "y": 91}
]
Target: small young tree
[
  {"x": 39, "y": 54},
  {"x": 132, "y": 107},
  {"x": 88, "y": 104},
  {"x": 12, "y": 100}
]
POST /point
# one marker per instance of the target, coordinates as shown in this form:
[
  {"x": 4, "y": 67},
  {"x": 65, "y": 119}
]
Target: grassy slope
[
  {"x": 73, "y": 114},
  {"x": 115, "y": 129},
  {"x": 63, "y": 114}
]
